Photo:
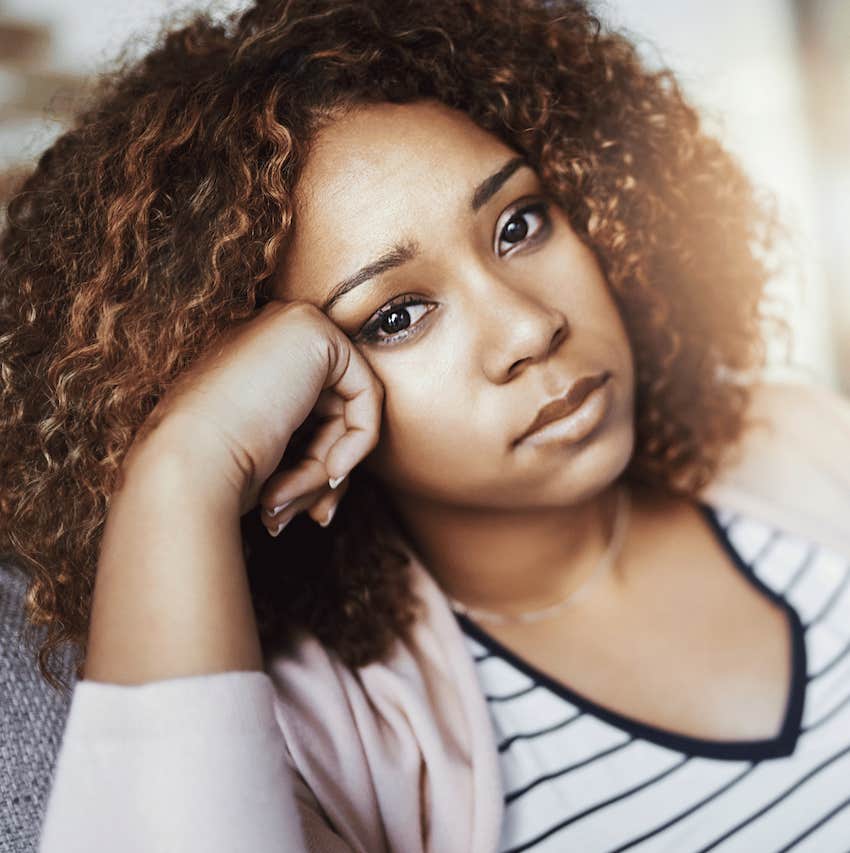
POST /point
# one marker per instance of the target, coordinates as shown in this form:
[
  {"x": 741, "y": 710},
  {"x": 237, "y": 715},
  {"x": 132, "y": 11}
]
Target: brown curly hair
[{"x": 157, "y": 220}]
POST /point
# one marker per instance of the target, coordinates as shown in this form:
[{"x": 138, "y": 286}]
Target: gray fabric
[{"x": 32, "y": 720}]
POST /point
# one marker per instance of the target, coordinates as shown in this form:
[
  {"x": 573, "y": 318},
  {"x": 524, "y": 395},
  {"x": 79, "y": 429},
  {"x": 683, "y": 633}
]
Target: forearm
[{"x": 171, "y": 594}]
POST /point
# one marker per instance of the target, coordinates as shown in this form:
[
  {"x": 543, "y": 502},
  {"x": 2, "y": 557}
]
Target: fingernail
[
  {"x": 327, "y": 521},
  {"x": 279, "y": 527},
  {"x": 277, "y": 509},
  {"x": 335, "y": 481}
]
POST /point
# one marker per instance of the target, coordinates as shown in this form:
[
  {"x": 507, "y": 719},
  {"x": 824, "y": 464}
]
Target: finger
[
  {"x": 329, "y": 403},
  {"x": 308, "y": 474},
  {"x": 279, "y": 522},
  {"x": 363, "y": 397},
  {"x": 324, "y": 509}
]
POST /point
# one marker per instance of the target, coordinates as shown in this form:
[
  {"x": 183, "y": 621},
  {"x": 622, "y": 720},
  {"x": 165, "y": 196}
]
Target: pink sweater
[{"x": 307, "y": 756}]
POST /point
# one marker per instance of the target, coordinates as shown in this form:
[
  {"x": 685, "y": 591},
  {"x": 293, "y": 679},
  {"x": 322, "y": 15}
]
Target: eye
[
  {"x": 396, "y": 315},
  {"x": 393, "y": 323},
  {"x": 516, "y": 229}
]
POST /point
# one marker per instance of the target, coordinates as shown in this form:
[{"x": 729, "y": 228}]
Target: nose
[{"x": 524, "y": 329}]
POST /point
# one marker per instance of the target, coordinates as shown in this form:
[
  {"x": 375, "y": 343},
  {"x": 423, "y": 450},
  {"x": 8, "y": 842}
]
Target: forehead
[
  {"x": 382, "y": 149},
  {"x": 377, "y": 174}
]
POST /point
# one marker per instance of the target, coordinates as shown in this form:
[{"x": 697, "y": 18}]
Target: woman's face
[{"x": 503, "y": 309}]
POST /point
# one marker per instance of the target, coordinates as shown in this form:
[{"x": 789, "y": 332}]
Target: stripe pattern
[{"x": 577, "y": 777}]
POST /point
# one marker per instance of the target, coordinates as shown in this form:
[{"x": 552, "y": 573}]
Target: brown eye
[
  {"x": 516, "y": 229},
  {"x": 394, "y": 320}
]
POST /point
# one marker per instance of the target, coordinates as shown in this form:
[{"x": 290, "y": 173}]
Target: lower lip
[{"x": 579, "y": 423}]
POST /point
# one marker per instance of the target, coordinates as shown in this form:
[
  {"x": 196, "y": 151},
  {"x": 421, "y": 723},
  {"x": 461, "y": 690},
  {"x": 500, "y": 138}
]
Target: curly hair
[{"x": 158, "y": 218}]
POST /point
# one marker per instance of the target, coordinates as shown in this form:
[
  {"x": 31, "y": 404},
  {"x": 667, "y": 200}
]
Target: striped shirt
[{"x": 580, "y": 777}]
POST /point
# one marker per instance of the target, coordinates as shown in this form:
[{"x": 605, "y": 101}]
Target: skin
[{"x": 503, "y": 324}]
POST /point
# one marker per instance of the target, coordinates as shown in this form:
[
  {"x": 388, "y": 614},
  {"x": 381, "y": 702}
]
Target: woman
[{"x": 348, "y": 261}]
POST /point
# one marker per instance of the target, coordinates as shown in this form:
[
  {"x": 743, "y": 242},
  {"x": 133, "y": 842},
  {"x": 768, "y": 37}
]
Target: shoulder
[
  {"x": 791, "y": 466},
  {"x": 307, "y": 677}
]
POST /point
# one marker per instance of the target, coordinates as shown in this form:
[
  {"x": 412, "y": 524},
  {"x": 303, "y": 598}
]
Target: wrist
[{"x": 178, "y": 456}]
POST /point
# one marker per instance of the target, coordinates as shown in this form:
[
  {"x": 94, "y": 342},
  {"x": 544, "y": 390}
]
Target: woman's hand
[{"x": 246, "y": 395}]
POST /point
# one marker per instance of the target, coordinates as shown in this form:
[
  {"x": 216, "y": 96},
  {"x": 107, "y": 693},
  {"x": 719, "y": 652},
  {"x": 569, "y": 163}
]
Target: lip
[{"x": 565, "y": 404}]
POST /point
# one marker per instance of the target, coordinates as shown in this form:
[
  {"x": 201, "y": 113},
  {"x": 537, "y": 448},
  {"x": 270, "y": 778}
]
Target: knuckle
[
  {"x": 291, "y": 304},
  {"x": 305, "y": 312}
]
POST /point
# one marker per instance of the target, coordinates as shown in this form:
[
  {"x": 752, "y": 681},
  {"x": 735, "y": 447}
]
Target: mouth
[{"x": 572, "y": 403}]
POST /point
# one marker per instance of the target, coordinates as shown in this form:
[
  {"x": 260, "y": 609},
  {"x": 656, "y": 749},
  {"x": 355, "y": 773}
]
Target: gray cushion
[{"x": 32, "y": 720}]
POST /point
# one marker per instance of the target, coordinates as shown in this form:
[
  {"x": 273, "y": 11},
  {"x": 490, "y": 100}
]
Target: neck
[{"x": 510, "y": 561}]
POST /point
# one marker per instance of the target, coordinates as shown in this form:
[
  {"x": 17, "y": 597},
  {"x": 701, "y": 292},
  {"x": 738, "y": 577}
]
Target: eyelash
[{"x": 369, "y": 332}]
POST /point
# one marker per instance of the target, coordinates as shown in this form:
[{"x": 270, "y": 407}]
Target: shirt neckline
[{"x": 751, "y": 749}]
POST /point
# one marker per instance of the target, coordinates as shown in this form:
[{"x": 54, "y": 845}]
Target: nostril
[{"x": 560, "y": 334}]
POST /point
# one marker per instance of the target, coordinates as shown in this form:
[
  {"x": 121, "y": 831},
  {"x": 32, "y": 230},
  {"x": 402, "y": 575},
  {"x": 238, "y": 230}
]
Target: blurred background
[{"x": 771, "y": 77}]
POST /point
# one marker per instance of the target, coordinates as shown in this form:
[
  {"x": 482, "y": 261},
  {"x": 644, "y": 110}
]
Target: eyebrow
[{"x": 406, "y": 250}]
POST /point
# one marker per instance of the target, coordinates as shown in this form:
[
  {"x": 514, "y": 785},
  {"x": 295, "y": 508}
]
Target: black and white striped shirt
[{"x": 580, "y": 777}]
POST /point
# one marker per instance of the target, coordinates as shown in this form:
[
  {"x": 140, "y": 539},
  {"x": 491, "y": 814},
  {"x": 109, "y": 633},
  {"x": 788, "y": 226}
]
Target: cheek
[
  {"x": 429, "y": 430},
  {"x": 610, "y": 317},
  {"x": 599, "y": 308},
  {"x": 617, "y": 329},
  {"x": 428, "y": 416}
]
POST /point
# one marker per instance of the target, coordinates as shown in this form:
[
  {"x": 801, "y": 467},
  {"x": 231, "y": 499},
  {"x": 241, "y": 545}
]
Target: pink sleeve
[{"x": 196, "y": 763}]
